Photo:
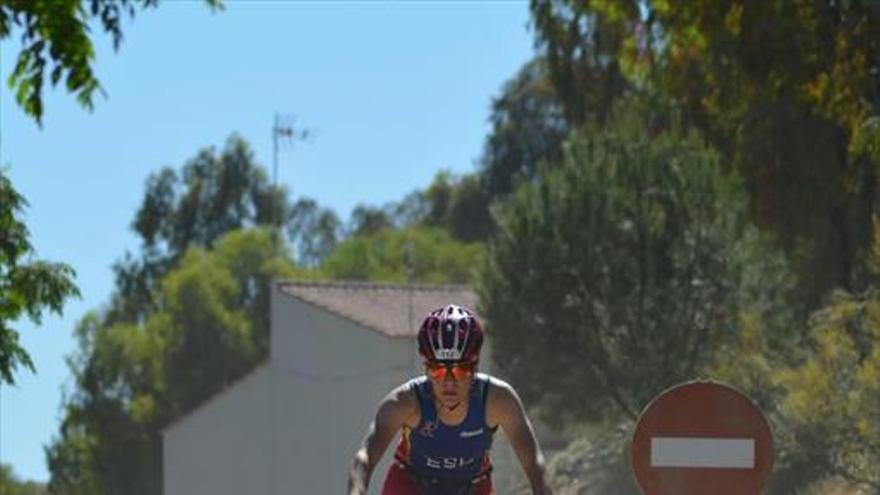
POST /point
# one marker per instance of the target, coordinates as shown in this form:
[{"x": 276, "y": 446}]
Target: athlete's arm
[
  {"x": 505, "y": 408},
  {"x": 395, "y": 410}
]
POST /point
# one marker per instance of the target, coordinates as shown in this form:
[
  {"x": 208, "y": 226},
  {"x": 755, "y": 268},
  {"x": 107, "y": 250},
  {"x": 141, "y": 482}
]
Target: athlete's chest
[
  {"x": 443, "y": 448},
  {"x": 465, "y": 432}
]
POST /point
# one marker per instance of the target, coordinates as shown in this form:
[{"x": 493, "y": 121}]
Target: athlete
[{"x": 447, "y": 419}]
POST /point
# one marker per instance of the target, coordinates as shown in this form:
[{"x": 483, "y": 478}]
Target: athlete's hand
[{"x": 359, "y": 475}]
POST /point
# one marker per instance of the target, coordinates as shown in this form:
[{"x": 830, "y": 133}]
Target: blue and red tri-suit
[{"x": 438, "y": 458}]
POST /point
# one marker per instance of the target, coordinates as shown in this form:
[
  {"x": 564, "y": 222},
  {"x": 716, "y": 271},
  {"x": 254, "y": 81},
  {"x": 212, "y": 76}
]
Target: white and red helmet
[{"x": 451, "y": 334}]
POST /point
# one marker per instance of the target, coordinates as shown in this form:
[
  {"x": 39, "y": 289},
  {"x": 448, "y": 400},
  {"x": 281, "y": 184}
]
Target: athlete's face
[{"x": 451, "y": 384}]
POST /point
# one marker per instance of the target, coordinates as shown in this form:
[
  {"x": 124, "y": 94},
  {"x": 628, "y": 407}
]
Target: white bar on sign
[{"x": 736, "y": 453}]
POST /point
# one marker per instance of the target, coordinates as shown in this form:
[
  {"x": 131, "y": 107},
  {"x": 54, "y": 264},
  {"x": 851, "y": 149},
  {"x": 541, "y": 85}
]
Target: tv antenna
[{"x": 284, "y": 132}]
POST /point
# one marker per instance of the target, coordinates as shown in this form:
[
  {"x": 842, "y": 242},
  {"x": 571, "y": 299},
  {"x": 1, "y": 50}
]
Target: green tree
[
  {"x": 580, "y": 44},
  {"x": 787, "y": 91},
  {"x": 823, "y": 404},
  {"x": 28, "y": 286},
  {"x": 410, "y": 210},
  {"x": 831, "y": 400},
  {"x": 619, "y": 267},
  {"x": 387, "y": 254},
  {"x": 313, "y": 231},
  {"x": 366, "y": 220},
  {"x": 469, "y": 218},
  {"x": 213, "y": 194},
  {"x": 792, "y": 89},
  {"x": 57, "y": 32},
  {"x": 56, "y": 37},
  {"x": 215, "y": 314},
  {"x": 438, "y": 199},
  {"x": 11, "y": 485},
  {"x": 189, "y": 315},
  {"x": 751, "y": 362},
  {"x": 210, "y": 327},
  {"x": 528, "y": 128},
  {"x": 458, "y": 204}
]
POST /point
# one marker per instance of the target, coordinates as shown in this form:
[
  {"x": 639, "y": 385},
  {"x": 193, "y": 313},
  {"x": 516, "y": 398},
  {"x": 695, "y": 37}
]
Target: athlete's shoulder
[
  {"x": 502, "y": 400},
  {"x": 496, "y": 385},
  {"x": 403, "y": 395},
  {"x": 403, "y": 402}
]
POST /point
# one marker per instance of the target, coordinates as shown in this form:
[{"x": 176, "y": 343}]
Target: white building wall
[
  {"x": 220, "y": 447},
  {"x": 292, "y": 426},
  {"x": 329, "y": 375}
]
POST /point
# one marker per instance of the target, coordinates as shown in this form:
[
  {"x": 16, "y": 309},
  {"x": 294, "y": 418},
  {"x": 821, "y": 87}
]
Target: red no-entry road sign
[{"x": 701, "y": 438}]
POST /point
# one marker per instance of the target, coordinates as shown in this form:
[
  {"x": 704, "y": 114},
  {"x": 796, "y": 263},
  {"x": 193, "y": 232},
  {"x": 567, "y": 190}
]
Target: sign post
[{"x": 701, "y": 437}]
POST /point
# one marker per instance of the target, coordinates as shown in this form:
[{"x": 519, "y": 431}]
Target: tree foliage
[
  {"x": 57, "y": 44},
  {"x": 401, "y": 255},
  {"x": 457, "y": 204},
  {"x": 821, "y": 395},
  {"x": 581, "y": 46},
  {"x": 213, "y": 194},
  {"x": 832, "y": 398},
  {"x": 787, "y": 91},
  {"x": 313, "y": 231},
  {"x": 11, "y": 485},
  {"x": 528, "y": 128},
  {"x": 189, "y": 316},
  {"x": 28, "y": 286},
  {"x": 57, "y": 32},
  {"x": 619, "y": 267},
  {"x": 367, "y": 220},
  {"x": 209, "y": 328}
]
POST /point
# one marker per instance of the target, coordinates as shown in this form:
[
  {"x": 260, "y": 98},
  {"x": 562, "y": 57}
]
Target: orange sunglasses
[{"x": 441, "y": 371}]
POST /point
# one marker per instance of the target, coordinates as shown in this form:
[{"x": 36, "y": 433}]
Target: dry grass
[{"x": 838, "y": 487}]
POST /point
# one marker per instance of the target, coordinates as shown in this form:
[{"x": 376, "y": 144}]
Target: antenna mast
[{"x": 283, "y": 131}]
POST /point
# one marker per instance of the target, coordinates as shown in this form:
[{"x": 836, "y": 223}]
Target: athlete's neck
[{"x": 452, "y": 414}]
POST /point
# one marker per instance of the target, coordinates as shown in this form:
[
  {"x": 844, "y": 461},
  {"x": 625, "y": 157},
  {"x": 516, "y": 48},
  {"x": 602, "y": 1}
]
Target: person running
[{"x": 447, "y": 419}]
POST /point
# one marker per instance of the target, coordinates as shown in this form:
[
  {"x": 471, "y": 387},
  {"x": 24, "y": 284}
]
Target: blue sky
[{"x": 393, "y": 91}]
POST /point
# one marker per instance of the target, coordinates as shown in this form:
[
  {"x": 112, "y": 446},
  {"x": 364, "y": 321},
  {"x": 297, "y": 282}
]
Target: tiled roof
[{"x": 382, "y": 307}]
